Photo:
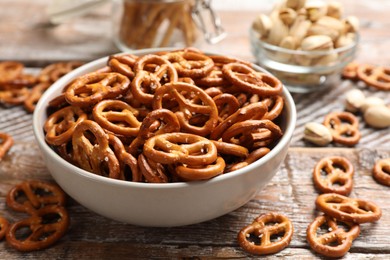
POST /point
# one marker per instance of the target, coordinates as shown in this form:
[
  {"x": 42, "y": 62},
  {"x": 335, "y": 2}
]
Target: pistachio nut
[
  {"x": 351, "y": 24},
  {"x": 354, "y": 99},
  {"x": 262, "y": 24},
  {"x": 318, "y": 29},
  {"x": 377, "y": 116},
  {"x": 317, "y": 42},
  {"x": 287, "y": 43},
  {"x": 287, "y": 15},
  {"x": 277, "y": 6},
  {"x": 335, "y": 9},
  {"x": 299, "y": 28},
  {"x": 302, "y": 13},
  {"x": 317, "y": 133},
  {"x": 295, "y": 4},
  {"x": 345, "y": 40},
  {"x": 278, "y": 32},
  {"x": 327, "y": 25},
  {"x": 371, "y": 102},
  {"x": 315, "y": 9},
  {"x": 303, "y": 59},
  {"x": 325, "y": 60},
  {"x": 331, "y": 22}
]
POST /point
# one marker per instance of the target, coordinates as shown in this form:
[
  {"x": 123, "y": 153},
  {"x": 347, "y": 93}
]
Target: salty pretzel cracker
[
  {"x": 344, "y": 127},
  {"x": 263, "y": 227},
  {"x": 337, "y": 241},
  {"x": 4, "y": 224},
  {"x": 348, "y": 209},
  {"x": 44, "y": 231},
  {"x": 374, "y": 76},
  {"x": 381, "y": 171},
  {"x": 6, "y": 142},
  {"x": 339, "y": 175},
  {"x": 29, "y": 196}
]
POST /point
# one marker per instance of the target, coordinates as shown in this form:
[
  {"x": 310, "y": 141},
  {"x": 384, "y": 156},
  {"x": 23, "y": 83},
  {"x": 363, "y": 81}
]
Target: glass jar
[{"x": 139, "y": 24}]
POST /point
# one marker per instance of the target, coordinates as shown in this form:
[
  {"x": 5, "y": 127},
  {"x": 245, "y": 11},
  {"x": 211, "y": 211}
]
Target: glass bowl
[{"x": 303, "y": 71}]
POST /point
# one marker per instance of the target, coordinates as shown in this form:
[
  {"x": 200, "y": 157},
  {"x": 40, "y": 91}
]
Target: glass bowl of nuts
[{"x": 305, "y": 44}]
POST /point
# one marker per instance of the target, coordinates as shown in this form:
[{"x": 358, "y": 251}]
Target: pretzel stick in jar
[
  {"x": 152, "y": 12},
  {"x": 188, "y": 27},
  {"x": 177, "y": 12},
  {"x": 152, "y": 31},
  {"x": 132, "y": 22},
  {"x": 142, "y": 22},
  {"x": 126, "y": 23}
]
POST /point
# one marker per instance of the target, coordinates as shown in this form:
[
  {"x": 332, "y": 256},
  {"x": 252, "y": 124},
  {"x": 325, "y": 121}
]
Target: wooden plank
[
  {"x": 290, "y": 192},
  {"x": 26, "y": 34},
  {"x": 27, "y": 37},
  {"x": 313, "y": 107}
]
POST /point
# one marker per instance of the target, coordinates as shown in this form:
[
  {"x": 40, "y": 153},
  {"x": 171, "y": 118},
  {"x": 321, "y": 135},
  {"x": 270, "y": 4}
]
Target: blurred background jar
[{"x": 139, "y": 24}]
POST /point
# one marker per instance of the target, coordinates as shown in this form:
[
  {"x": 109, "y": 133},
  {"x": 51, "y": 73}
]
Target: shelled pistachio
[
  {"x": 375, "y": 112},
  {"x": 335, "y": 9},
  {"x": 371, "y": 102},
  {"x": 315, "y": 10},
  {"x": 262, "y": 24},
  {"x": 377, "y": 116},
  {"x": 354, "y": 99},
  {"x": 288, "y": 42},
  {"x": 316, "y": 43},
  {"x": 295, "y": 4},
  {"x": 299, "y": 28},
  {"x": 317, "y": 133}
]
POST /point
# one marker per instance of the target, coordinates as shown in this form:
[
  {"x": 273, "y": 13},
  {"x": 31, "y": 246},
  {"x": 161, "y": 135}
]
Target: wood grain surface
[
  {"x": 26, "y": 36},
  {"x": 291, "y": 192}
]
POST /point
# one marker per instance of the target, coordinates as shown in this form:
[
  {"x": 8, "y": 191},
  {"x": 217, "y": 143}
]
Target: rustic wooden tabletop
[{"x": 26, "y": 36}]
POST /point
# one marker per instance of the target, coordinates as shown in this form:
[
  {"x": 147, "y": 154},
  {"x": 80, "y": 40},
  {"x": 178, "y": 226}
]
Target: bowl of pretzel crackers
[{"x": 164, "y": 137}]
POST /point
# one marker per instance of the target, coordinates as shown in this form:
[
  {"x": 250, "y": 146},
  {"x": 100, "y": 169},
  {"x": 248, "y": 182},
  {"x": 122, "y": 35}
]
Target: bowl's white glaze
[{"x": 160, "y": 205}]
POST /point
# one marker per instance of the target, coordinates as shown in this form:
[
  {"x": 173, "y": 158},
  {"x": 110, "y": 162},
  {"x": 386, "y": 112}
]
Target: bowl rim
[
  {"x": 255, "y": 37},
  {"x": 40, "y": 110}
]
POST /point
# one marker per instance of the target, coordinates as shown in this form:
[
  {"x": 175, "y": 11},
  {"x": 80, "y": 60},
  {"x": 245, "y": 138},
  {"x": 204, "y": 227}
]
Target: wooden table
[{"x": 25, "y": 36}]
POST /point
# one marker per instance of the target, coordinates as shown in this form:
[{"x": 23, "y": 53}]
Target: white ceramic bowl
[{"x": 166, "y": 204}]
